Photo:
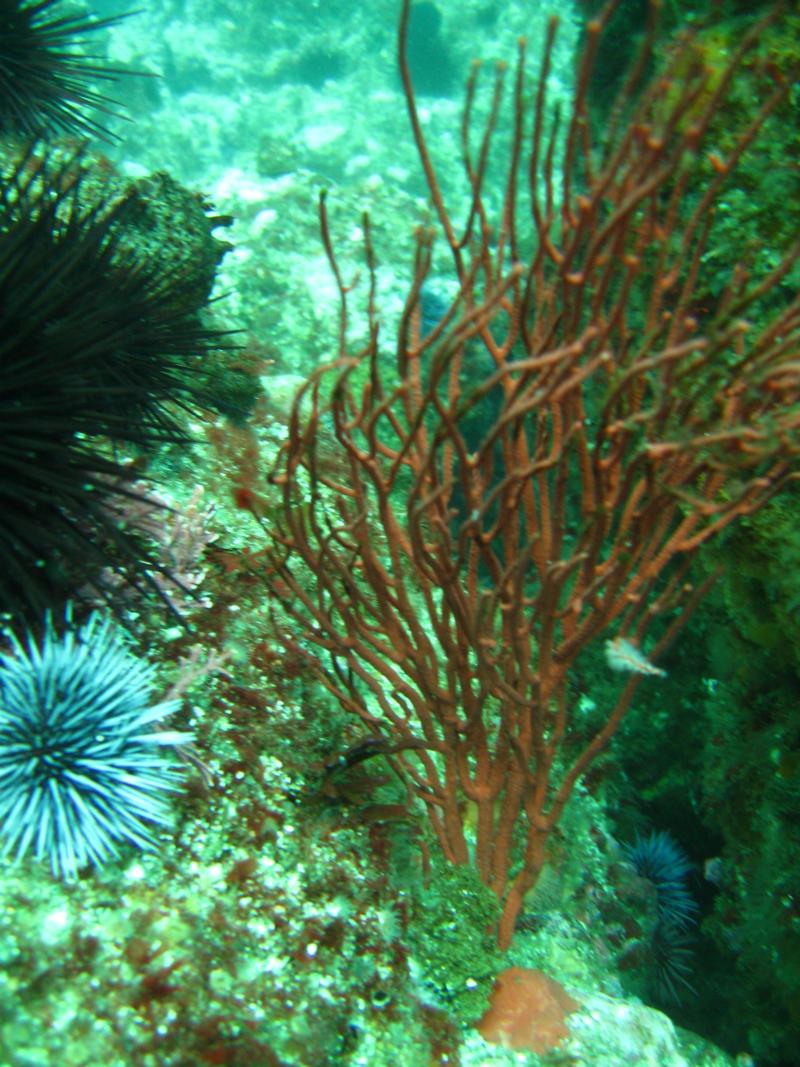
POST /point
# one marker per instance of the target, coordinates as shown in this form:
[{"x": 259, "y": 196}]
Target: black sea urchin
[
  {"x": 663, "y": 863},
  {"x": 81, "y": 767},
  {"x": 97, "y": 345},
  {"x": 46, "y": 83}
]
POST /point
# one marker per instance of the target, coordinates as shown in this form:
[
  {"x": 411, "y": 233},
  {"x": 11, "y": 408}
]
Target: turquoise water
[{"x": 297, "y": 910}]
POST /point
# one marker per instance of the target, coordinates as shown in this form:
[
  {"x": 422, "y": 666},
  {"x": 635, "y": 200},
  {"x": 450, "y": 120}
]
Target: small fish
[{"x": 622, "y": 655}]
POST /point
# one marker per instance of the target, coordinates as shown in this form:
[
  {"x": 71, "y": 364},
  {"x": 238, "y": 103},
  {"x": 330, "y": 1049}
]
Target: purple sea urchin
[
  {"x": 81, "y": 768},
  {"x": 666, "y": 866},
  {"x": 663, "y": 862}
]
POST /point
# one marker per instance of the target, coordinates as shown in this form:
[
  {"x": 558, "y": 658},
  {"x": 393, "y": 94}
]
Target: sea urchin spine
[{"x": 81, "y": 767}]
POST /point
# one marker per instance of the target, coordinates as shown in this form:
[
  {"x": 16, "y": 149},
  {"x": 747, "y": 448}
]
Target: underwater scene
[{"x": 399, "y": 533}]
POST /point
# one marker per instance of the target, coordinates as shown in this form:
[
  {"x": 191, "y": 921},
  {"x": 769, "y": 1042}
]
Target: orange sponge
[{"x": 527, "y": 1010}]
